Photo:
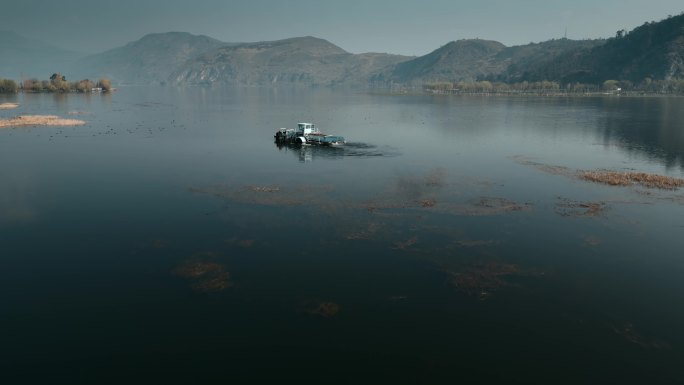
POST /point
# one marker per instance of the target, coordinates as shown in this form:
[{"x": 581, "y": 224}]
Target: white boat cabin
[{"x": 306, "y": 129}]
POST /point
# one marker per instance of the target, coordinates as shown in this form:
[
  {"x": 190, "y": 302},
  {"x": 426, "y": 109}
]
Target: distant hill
[
  {"x": 517, "y": 60},
  {"x": 303, "y": 60},
  {"x": 33, "y": 58},
  {"x": 455, "y": 61},
  {"x": 148, "y": 60},
  {"x": 476, "y": 59},
  {"x": 653, "y": 50}
]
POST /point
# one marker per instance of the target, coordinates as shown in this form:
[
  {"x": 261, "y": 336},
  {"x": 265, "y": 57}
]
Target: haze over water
[{"x": 170, "y": 240}]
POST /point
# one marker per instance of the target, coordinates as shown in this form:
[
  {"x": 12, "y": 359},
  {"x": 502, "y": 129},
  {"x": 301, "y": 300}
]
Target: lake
[{"x": 170, "y": 240}]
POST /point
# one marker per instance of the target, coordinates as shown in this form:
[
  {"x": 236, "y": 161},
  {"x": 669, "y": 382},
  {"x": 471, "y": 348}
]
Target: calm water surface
[{"x": 169, "y": 240}]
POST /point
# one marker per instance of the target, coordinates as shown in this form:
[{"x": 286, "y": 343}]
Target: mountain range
[
  {"x": 150, "y": 59},
  {"x": 306, "y": 60},
  {"x": 654, "y": 50}
]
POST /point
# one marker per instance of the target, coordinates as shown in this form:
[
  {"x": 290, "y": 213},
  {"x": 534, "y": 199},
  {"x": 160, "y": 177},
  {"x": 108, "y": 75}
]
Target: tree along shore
[
  {"x": 617, "y": 87},
  {"x": 56, "y": 83}
]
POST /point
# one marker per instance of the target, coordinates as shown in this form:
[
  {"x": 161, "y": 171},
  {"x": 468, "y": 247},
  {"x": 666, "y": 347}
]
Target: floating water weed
[
  {"x": 206, "y": 276},
  {"x": 322, "y": 309},
  {"x": 569, "y": 208},
  {"x": 614, "y": 178}
]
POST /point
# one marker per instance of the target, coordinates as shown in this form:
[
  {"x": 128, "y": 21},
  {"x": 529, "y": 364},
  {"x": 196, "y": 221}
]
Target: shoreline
[{"x": 528, "y": 94}]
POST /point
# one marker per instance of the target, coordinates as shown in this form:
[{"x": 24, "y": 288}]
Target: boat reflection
[{"x": 307, "y": 153}]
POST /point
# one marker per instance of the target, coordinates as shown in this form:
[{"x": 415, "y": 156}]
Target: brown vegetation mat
[
  {"x": 403, "y": 245},
  {"x": 614, "y": 178},
  {"x": 364, "y": 234},
  {"x": 475, "y": 242},
  {"x": 39, "y": 120},
  {"x": 547, "y": 168},
  {"x": 482, "y": 279},
  {"x": 269, "y": 195},
  {"x": 8, "y": 106},
  {"x": 629, "y": 333},
  {"x": 494, "y": 206},
  {"x": 206, "y": 276},
  {"x": 482, "y": 206},
  {"x": 322, "y": 309},
  {"x": 569, "y": 208}
]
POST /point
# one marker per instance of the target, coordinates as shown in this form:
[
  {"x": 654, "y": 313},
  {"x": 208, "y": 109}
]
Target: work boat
[{"x": 307, "y": 133}]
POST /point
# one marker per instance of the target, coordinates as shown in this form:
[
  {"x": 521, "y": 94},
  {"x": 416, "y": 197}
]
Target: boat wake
[
  {"x": 358, "y": 149},
  {"x": 307, "y": 153}
]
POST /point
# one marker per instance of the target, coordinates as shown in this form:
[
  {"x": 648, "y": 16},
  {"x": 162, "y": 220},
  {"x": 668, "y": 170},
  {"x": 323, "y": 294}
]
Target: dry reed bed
[
  {"x": 39, "y": 120},
  {"x": 615, "y": 178},
  {"x": 8, "y": 106}
]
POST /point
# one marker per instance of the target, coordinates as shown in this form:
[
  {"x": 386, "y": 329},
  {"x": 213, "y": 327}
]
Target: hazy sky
[{"x": 396, "y": 26}]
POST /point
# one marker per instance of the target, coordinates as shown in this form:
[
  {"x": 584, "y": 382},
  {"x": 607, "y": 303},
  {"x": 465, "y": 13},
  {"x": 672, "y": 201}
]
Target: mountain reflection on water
[{"x": 452, "y": 239}]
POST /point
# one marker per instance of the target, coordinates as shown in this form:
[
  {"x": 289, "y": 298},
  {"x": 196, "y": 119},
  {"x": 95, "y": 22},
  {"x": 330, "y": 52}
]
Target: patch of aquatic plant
[
  {"x": 494, "y": 205},
  {"x": 570, "y": 208},
  {"x": 244, "y": 243},
  {"x": 324, "y": 309},
  {"x": 151, "y": 245},
  {"x": 483, "y": 279},
  {"x": 39, "y": 120},
  {"x": 205, "y": 276},
  {"x": 547, "y": 168},
  {"x": 264, "y": 189},
  {"x": 615, "y": 178},
  {"x": 427, "y": 203},
  {"x": 475, "y": 243},
  {"x": 403, "y": 245},
  {"x": 369, "y": 232},
  {"x": 628, "y": 331},
  {"x": 269, "y": 195},
  {"x": 592, "y": 241}
]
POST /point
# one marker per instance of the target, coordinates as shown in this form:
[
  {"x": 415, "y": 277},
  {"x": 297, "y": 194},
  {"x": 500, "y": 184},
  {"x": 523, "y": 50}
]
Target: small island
[{"x": 56, "y": 83}]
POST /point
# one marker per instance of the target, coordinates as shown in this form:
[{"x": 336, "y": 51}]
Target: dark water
[{"x": 169, "y": 240}]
